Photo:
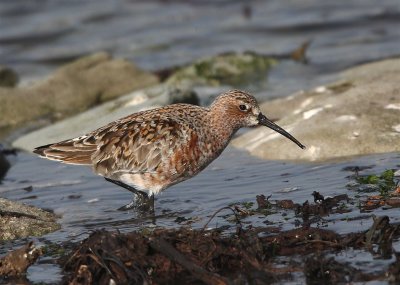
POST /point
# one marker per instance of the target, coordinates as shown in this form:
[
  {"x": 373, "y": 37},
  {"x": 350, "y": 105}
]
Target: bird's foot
[
  {"x": 141, "y": 202},
  {"x": 131, "y": 205}
]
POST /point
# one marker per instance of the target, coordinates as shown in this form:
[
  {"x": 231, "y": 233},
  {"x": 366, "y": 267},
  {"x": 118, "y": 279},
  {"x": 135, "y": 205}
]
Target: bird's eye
[{"x": 242, "y": 107}]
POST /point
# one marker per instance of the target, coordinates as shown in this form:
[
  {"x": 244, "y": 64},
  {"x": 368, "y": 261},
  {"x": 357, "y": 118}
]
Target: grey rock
[
  {"x": 20, "y": 220},
  {"x": 72, "y": 89},
  {"x": 85, "y": 122},
  {"x": 357, "y": 115}
]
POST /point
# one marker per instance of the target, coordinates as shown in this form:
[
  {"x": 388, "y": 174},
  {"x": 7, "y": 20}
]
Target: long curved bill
[{"x": 264, "y": 121}]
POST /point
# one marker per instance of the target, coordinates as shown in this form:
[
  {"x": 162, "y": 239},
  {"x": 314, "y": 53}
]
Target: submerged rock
[
  {"x": 21, "y": 220},
  {"x": 360, "y": 114},
  {"x": 72, "y": 89},
  {"x": 233, "y": 69}
]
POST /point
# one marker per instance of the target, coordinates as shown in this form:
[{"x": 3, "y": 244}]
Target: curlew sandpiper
[{"x": 149, "y": 151}]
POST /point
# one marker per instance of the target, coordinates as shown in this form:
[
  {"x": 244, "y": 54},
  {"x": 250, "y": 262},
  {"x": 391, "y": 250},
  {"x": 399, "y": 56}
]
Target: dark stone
[
  {"x": 4, "y": 166},
  {"x": 184, "y": 96},
  {"x": 8, "y": 77}
]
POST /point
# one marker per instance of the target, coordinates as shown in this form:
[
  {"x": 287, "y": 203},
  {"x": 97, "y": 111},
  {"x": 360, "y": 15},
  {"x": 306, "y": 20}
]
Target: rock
[
  {"x": 8, "y": 77},
  {"x": 235, "y": 69},
  {"x": 358, "y": 115},
  {"x": 4, "y": 165},
  {"x": 72, "y": 89},
  {"x": 99, "y": 116},
  {"x": 21, "y": 220}
]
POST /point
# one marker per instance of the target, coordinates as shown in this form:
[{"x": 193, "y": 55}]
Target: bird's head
[{"x": 242, "y": 110}]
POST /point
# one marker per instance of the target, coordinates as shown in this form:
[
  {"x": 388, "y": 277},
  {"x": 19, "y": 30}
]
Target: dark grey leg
[
  {"x": 141, "y": 201},
  {"x": 127, "y": 187}
]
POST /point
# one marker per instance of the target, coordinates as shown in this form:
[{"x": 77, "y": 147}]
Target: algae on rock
[{"x": 235, "y": 69}]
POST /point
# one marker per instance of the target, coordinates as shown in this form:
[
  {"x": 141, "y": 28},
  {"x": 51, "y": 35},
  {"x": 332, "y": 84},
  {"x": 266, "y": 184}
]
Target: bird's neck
[{"x": 222, "y": 129}]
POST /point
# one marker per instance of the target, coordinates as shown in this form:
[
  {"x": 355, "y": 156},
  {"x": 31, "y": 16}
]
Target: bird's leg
[
  {"x": 151, "y": 202},
  {"x": 141, "y": 201},
  {"x": 127, "y": 187}
]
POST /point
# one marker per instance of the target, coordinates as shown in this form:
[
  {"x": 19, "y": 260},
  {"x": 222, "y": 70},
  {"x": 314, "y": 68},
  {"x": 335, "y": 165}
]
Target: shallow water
[
  {"x": 86, "y": 202},
  {"x": 37, "y": 36}
]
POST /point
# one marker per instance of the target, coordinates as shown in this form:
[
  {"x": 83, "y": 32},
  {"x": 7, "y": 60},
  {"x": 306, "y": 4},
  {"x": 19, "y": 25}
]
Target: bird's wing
[
  {"x": 147, "y": 152},
  {"x": 153, "y": 145}
]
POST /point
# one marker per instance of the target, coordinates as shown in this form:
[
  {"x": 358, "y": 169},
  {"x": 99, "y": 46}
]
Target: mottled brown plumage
[{"x": 154, "y": 149}]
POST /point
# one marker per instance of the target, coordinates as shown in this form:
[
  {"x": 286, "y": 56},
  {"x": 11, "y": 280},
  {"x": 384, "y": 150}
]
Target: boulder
[
  {"x": 357, "y": 115},
  {"x": 72, "y": 89},
  {"x": 20, "y": 220}
]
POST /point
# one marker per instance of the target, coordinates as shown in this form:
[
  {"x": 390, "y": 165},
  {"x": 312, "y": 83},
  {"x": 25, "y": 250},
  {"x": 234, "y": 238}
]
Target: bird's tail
[{"x": 73, "y": 151}]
